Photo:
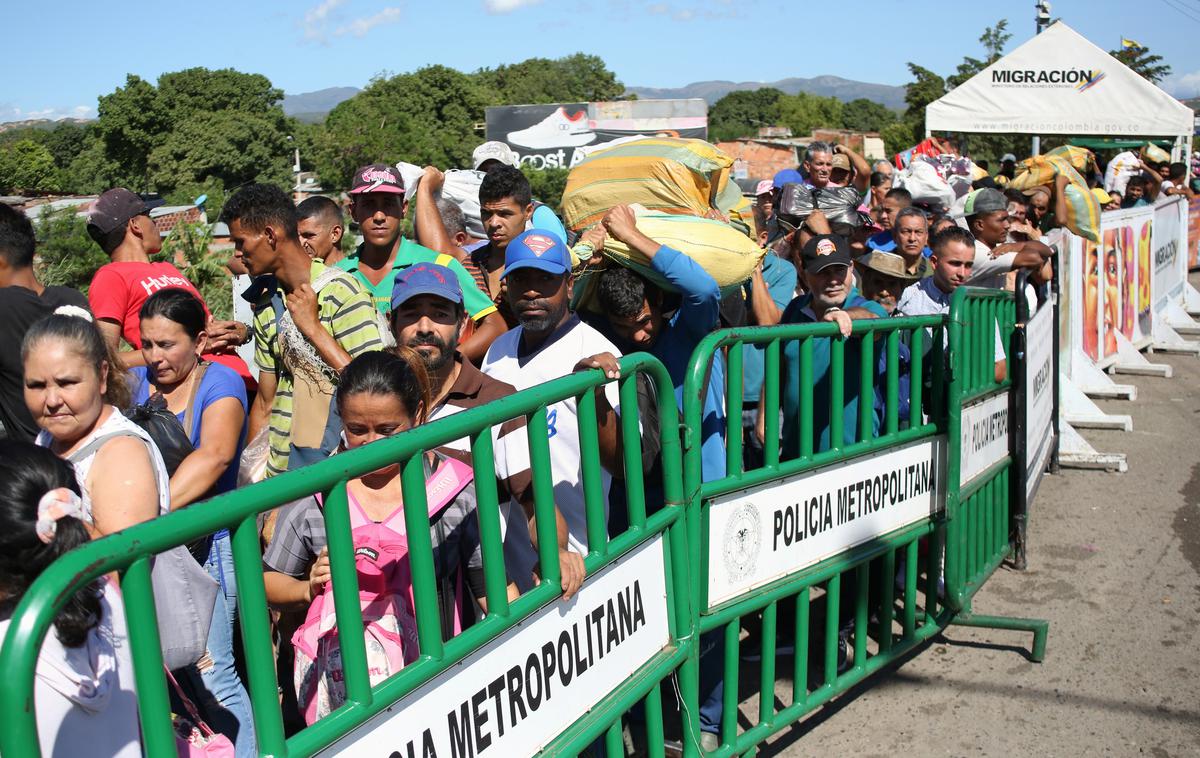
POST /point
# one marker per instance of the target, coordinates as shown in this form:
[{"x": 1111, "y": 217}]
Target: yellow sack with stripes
[
  {"x": 662, "y": 174},
  {"x": 1080, "y": 158},
  {"x": 725, "y": 253},
  {"x": 1083, "y": 210}
]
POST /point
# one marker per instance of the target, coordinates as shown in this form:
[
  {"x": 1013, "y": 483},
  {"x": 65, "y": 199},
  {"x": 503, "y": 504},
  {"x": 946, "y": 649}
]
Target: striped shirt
[{"x": 346, "y": 311}]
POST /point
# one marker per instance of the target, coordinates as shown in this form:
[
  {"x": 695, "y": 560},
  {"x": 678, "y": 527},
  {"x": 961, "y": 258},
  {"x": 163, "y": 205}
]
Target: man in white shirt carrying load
[{"x": 986, "y": 212}]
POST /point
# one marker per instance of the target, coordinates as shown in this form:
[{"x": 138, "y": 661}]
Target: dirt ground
[{"x": 1114, "y": 564}]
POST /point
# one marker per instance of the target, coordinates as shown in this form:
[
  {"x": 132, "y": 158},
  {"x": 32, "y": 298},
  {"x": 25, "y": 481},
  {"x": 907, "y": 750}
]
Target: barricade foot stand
[
  {"x": 1091, "y": 381},
  {"x": 1167, "y": 340},
  {"x": 1078, "y": 410},
  {"x": 1039, "y": 627},
  {"x": 1131, "y": 361},
  {"x": 1076, "y": 452}
]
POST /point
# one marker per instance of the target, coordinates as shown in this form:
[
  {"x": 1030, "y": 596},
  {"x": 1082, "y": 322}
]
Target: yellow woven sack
[
  {"x": 663, "y": 174},
  {"x": 1080, "y": 158}
]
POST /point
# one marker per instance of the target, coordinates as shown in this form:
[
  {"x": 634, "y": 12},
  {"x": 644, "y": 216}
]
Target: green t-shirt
[{"x": 477, "y": 304}]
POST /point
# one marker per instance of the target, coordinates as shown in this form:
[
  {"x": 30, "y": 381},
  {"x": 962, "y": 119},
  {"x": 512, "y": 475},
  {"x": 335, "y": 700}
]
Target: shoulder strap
[
  {"x": 188, "y": 415},
  {"x": 327, "y": 275},
  {"x": 445, "y": 484},
  {"x": 442, "y": 486},
  {"x": 91, "y": 447}
]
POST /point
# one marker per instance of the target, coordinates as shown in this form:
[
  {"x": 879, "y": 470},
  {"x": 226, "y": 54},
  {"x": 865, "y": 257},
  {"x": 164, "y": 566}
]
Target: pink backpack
[{"x": 385, "y": 596}]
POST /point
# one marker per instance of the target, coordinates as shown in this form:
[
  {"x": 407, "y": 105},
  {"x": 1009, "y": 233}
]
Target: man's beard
[
  {"x": 539, "y": 324},
  {"x": 434, "y": 361}
]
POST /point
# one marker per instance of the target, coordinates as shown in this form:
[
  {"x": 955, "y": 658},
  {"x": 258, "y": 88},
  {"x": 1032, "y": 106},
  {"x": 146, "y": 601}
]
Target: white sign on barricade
[
  {"x": 1169, "y": 241},
  {"x": 524, "y": 688},
  {"x": 760, "y": 534},
  {"x": 1039, "y": 395},
  {"x": 984, "y": 436}
]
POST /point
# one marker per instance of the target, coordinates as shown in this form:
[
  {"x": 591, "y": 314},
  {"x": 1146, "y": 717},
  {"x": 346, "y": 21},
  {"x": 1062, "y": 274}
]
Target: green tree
[
  {"x": 993, "y": 39},
  {"x": 804, "y": 112},
  {"x": 548, "y": 185},
  {"x": 1149, "y": 66},
  {"x": 93, "y": 171},
  {"x": 426, "y": 117},
  {"x": 235, "y": 146},
  {"x": 201, "y": 90},
  {"x": 865, "y": 115},
  {"x": 132, "y": 122},
  {"x": 923, "y": 90},
  {"x": 741, "y": 112},
  {"x": 27, "y": 166},
  {"x": 576, "y": 78},
  {"x": 67, "y": 255},
  {"x": 188, "y": 246},
  {"x": 897, "y": 137}
]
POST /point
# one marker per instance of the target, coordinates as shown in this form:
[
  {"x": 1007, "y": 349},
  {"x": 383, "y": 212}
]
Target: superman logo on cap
[{"x": 538, "y": 243}]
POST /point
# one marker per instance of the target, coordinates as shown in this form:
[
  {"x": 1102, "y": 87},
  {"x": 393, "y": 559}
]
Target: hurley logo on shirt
[{"x": 153, "y": 284}]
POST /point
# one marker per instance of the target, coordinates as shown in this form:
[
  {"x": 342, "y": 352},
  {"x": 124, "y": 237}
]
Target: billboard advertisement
[{"x": 559, "y": 135}]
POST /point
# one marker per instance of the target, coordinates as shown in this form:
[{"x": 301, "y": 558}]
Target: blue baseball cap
[
  {"x": 425, "y": 279},
  {"x": 537, "y": 248}
]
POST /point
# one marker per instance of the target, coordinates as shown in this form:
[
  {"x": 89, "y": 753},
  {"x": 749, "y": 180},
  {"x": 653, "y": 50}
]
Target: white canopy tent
[{"x": 1060, "y": 83}]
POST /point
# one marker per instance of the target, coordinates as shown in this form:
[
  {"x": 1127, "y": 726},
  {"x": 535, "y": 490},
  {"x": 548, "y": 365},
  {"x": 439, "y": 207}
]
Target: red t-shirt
[{"x": 119, "y": 289}]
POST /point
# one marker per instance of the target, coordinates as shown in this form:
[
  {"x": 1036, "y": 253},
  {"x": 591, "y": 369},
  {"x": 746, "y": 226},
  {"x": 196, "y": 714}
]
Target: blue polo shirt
[
  {"x": 884, "y": 242},
  {"x": 800, "y": 312}
]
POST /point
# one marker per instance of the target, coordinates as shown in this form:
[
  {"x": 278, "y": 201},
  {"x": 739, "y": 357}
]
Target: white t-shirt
[
  {"x": 571, "y": 343},
  {"x": 989, "y": 271},
  {"x": 85, "y": 696}
]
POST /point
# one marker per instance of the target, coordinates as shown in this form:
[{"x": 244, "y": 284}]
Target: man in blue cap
[
  {"x": 428, "y": 316},
  {"x": 547, "y": 343}
]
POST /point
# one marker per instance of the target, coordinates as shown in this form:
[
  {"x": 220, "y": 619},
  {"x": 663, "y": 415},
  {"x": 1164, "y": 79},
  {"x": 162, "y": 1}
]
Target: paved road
[{"x": 1114, "y": 564}]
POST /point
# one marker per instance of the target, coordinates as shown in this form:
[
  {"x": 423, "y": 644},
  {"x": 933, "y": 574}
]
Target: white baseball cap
[{"x": 494, "y": 151}]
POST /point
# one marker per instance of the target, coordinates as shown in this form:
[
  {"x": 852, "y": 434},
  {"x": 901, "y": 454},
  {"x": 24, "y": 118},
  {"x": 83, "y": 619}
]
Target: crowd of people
[{"x": 353, "y": 347}]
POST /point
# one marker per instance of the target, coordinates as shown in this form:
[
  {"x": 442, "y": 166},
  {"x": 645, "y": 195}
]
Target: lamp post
[{"x": 1042, "y": 20}]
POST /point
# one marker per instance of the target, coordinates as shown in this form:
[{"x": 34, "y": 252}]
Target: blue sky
[{"x": 64, "y": 54}]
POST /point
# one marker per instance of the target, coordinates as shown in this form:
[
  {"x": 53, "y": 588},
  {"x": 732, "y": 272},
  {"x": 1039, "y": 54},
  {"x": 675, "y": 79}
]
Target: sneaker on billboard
[{"x": 556, "y": 130}]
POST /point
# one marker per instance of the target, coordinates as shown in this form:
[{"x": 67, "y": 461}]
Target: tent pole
[{"x": 1036, "y": 147}]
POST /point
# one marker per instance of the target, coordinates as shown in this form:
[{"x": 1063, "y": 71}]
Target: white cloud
[
  {"x": 1183, "y": 85},
  {"x": 359, "y": 27},
  {"x": 10, "y": 112},
  {"x": 507, "y": 6},
  {"x": 659, "y": 9},
  {"x": 316, "y": 20}
]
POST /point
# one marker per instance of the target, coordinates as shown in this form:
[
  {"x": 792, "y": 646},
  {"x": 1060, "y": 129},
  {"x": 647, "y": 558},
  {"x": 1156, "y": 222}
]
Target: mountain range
[
  {"x": 312, "y": 106},
  {"x": 825, "y": 86}
]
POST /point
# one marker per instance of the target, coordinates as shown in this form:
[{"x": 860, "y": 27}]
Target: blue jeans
[
  {"x": 221, "y": 679},
  {"x": 712, "y": 680}
]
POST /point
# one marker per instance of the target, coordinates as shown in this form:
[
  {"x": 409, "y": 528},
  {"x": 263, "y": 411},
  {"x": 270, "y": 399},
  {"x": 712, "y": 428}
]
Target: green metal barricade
[
  {"x": 648, "y": 557},
  {"x": 980, "y": 477},
  {"x": 836, "y": 552}
]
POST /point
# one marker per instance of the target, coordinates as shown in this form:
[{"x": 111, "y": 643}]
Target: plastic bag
[
  {"x": 839, "y": 204},
  {"x": 926, "y": 185},
  {"x": 460, "y": 187}
]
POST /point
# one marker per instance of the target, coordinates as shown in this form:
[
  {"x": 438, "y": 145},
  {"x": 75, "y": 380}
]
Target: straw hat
[{"x": 889, "y": 264}]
